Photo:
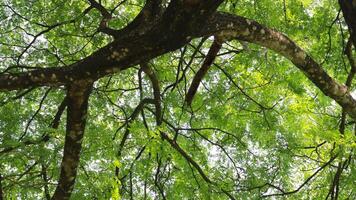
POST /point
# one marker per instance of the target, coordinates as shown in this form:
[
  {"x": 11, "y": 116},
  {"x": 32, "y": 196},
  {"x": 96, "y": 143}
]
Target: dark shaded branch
[
  {"x": 156, "y": 91},
  {"x": 348, "y": 8},
  {"x": 230, "y": 78},
  {"x": 60, "y": 110},
  {"x": 139, "y": 154},
  {"x": 144, "y": 21},
  {"x": 121, "y": 147},
  {"x": 106, "y": 17},
  {"x": 348, "y": 52},
  {"x": 156, "y": 180},
  {"x": 77, "y": 104},
  {"x": 135, "y": 113},
  {"x": 104, "y": 13},
  {"x": 28, "y": 169},
  {"x": 25, "y": 143},
  {"x": 348, "y": 83},
  {"x": 191, "y": 59},
  {"x": 23, "y": 94},
  {"x": 127, "y": 50},
  {"x": 209, "y": 59},
  {"x": 335, "y": 185},
  {"x": 45, "y": 137},
  {"x": 18, "y": 96},
  {"x": 48, "y": 29}
]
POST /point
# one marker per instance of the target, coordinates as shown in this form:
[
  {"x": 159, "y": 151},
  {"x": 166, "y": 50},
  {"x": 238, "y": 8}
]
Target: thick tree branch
[
  {"x": 209, "y": 59},
  {"x": 235, "y": 27},
  {"x": 178, "y": 22},
  {"x": 348, "y": 8},
  {"x": 348, "y": 83},
  {"x": 144, "y": 21},
  {"x": 142, "y": 41},
  {"x": 77, "y": 104},
  {"x": 182, "y": 22},
  {"x": 348, "y": 52}
]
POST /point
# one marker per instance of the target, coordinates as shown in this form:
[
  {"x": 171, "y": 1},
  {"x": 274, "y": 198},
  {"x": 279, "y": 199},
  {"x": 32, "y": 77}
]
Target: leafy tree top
[{"x": 179, "y": 99}]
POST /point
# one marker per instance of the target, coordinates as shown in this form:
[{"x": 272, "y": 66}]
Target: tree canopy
[{"x": 177, "y": 99}]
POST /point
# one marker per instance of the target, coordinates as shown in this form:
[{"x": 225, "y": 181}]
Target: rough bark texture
[
  {"x": 235, "y": 27},
  {"x": 180, "y": 24},
  {"x": 180, "y": 19},
  {"x": 77, "y": 104}
]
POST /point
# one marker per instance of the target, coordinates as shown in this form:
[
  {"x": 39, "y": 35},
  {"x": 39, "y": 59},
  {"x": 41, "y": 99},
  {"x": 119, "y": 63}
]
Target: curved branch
[
  {"x": 235, "y": 27},
  {"x": 179, "y": 29}
]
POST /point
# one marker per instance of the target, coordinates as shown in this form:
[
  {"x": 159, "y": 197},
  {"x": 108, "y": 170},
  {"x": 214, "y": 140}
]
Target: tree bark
[
  {"x": 348, "y": 8},
  {"x": 77, "y": 105},
  {"x": 120, "y": 55},
  {"x": 235, "y": 27}
]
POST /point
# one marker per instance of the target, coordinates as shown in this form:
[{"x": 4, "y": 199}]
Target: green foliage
[{"x": 257, "y": 125}]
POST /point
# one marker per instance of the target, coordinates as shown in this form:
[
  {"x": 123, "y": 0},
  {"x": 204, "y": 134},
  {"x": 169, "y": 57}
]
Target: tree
[{"x": 180, "y": 99}]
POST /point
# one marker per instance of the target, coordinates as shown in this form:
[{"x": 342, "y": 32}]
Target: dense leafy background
[{"x": 256, "y": 125}]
